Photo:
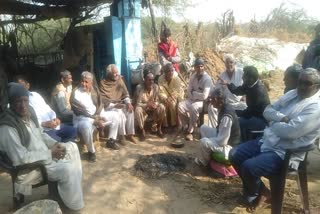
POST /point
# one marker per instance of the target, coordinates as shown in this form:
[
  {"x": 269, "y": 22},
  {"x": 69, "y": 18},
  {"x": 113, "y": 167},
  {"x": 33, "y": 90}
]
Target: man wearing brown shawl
[{"x": 115, "y": 97}]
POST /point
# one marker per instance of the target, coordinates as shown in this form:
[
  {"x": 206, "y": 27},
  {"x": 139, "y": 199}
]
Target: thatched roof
[{"x": 49, "y": 9}]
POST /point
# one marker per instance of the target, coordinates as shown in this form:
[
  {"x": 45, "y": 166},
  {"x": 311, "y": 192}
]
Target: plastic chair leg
[
  {"x": 277, "y": 191},
  {"x": 302, "y": 182}
]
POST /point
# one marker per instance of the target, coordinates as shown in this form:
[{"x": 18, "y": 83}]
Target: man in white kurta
[
  {"x": 232, "y": 74},
  {"x": 222, "y": 137},
  {"x": 65, "y": 167},
  {"x": 47, "y": 118},
  {"x": 86, "y": 115},
  {"x": 200, "y": 85}
]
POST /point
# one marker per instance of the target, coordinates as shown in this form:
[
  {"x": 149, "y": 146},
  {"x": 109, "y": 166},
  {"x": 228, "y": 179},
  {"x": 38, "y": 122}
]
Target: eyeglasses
[{"x": 305, "y": 83}]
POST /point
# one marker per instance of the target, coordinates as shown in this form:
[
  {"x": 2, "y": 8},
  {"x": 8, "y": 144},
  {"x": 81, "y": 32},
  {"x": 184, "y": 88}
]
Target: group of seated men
[
  {"x": 286, "y": 123},
  {"x": 78, "y": 111},
  {"x": 242, "y": 89}
]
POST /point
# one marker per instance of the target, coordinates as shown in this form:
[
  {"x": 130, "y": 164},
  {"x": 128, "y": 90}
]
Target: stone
[{"x": 40, "y": 207}]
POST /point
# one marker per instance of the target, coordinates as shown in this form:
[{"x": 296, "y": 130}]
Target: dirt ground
[{"x": 111, "y": 186}]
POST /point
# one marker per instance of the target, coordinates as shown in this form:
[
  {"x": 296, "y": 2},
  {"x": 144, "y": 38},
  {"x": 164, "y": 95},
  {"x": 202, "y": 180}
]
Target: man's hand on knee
[{"x": 58, "y": 151}]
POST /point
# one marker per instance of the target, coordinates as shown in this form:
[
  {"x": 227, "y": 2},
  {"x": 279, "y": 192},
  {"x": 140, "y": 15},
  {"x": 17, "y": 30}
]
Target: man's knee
[
  {"x": 129, "y": 115},
  {"x": 115, "y": 123},
  {"x": 205, "y": 142},
  {"x": 138, "y": 110},
  {"x": 161, "y": 108},
  {"x": 212, "y": 112},
  {"x": 233, "y": 156},
  {"x": 171, "y": 105},
  {"x": 66, "y": 171},
  {"x": 203, "y": 129},
  {"x": 180, "y": 107},
  {"x": 184, "y": 105},
  {"x": 85, "y": 128},
  {"x": 249, "y": 166},
  {"x": 84, "y": 124}
]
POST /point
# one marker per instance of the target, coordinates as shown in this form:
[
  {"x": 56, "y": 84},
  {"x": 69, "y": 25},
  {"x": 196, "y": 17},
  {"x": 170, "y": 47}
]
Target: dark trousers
[
  {"x": 250, "y": 124},
  {"x": 250, "y": 164},
  {"x": 64, "y": 134}
]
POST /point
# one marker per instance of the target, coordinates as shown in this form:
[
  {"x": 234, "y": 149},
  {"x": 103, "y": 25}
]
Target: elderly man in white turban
[{"x": 23, "y": 140}]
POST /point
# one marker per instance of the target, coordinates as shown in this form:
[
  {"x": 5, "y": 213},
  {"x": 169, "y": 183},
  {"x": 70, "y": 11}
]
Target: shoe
[
  {"x": 111, "y": 144},
  {"x": 189, "y": 137},
  {"x": 131, "y": 139},
  {"x": 92, "y": 157},
  {"x": 198, "y": 161}
]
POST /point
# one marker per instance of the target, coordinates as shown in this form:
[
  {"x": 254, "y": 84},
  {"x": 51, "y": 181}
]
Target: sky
[{"x": 245, "y": 10}]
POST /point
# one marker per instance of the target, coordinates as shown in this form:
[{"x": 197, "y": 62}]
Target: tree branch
[{"x": 22, "y": 21}]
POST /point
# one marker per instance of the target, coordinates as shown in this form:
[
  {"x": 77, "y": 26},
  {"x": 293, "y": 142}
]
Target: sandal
[{"x": 264, "y": 197}]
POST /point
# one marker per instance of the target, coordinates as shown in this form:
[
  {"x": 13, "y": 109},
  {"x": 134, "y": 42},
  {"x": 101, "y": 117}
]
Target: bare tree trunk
[{"x": 153, "y": 22}]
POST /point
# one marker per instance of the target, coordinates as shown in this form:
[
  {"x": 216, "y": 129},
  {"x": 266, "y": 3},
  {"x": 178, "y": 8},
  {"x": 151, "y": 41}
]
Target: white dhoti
[
  {"x": 208, "y": 144},
  {"x": 126, "y": 121},
  {"x": 112, "y": 119},
  {"x": 68, "y": 174},
  {"x": 189, "y": 112}
]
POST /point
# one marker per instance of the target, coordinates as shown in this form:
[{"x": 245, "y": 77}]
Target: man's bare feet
[
  {"x": 160, "y": 133},
  {"x": 131, "y": 139},
  {"x": 143, "y": 135},
  {"x": 189, "y": 137}
]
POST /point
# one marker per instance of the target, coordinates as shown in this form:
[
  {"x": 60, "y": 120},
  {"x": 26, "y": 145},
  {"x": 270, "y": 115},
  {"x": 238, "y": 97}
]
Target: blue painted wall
[{"x": 118, "y": 39}]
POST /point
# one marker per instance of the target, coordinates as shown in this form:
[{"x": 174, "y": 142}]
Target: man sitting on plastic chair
[
  {"x": 24, "y": 142},
  {"x": 293, "y": 124}
]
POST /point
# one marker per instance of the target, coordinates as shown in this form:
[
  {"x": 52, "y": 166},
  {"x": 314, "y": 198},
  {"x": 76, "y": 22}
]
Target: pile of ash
[{"x": 158, "y": 165}]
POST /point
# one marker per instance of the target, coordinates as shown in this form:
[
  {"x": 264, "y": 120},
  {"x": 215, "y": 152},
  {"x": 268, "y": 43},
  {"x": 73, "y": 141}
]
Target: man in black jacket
[
  {"x": 311, "y": 58},
  {"x": 257, "y": 99}
]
